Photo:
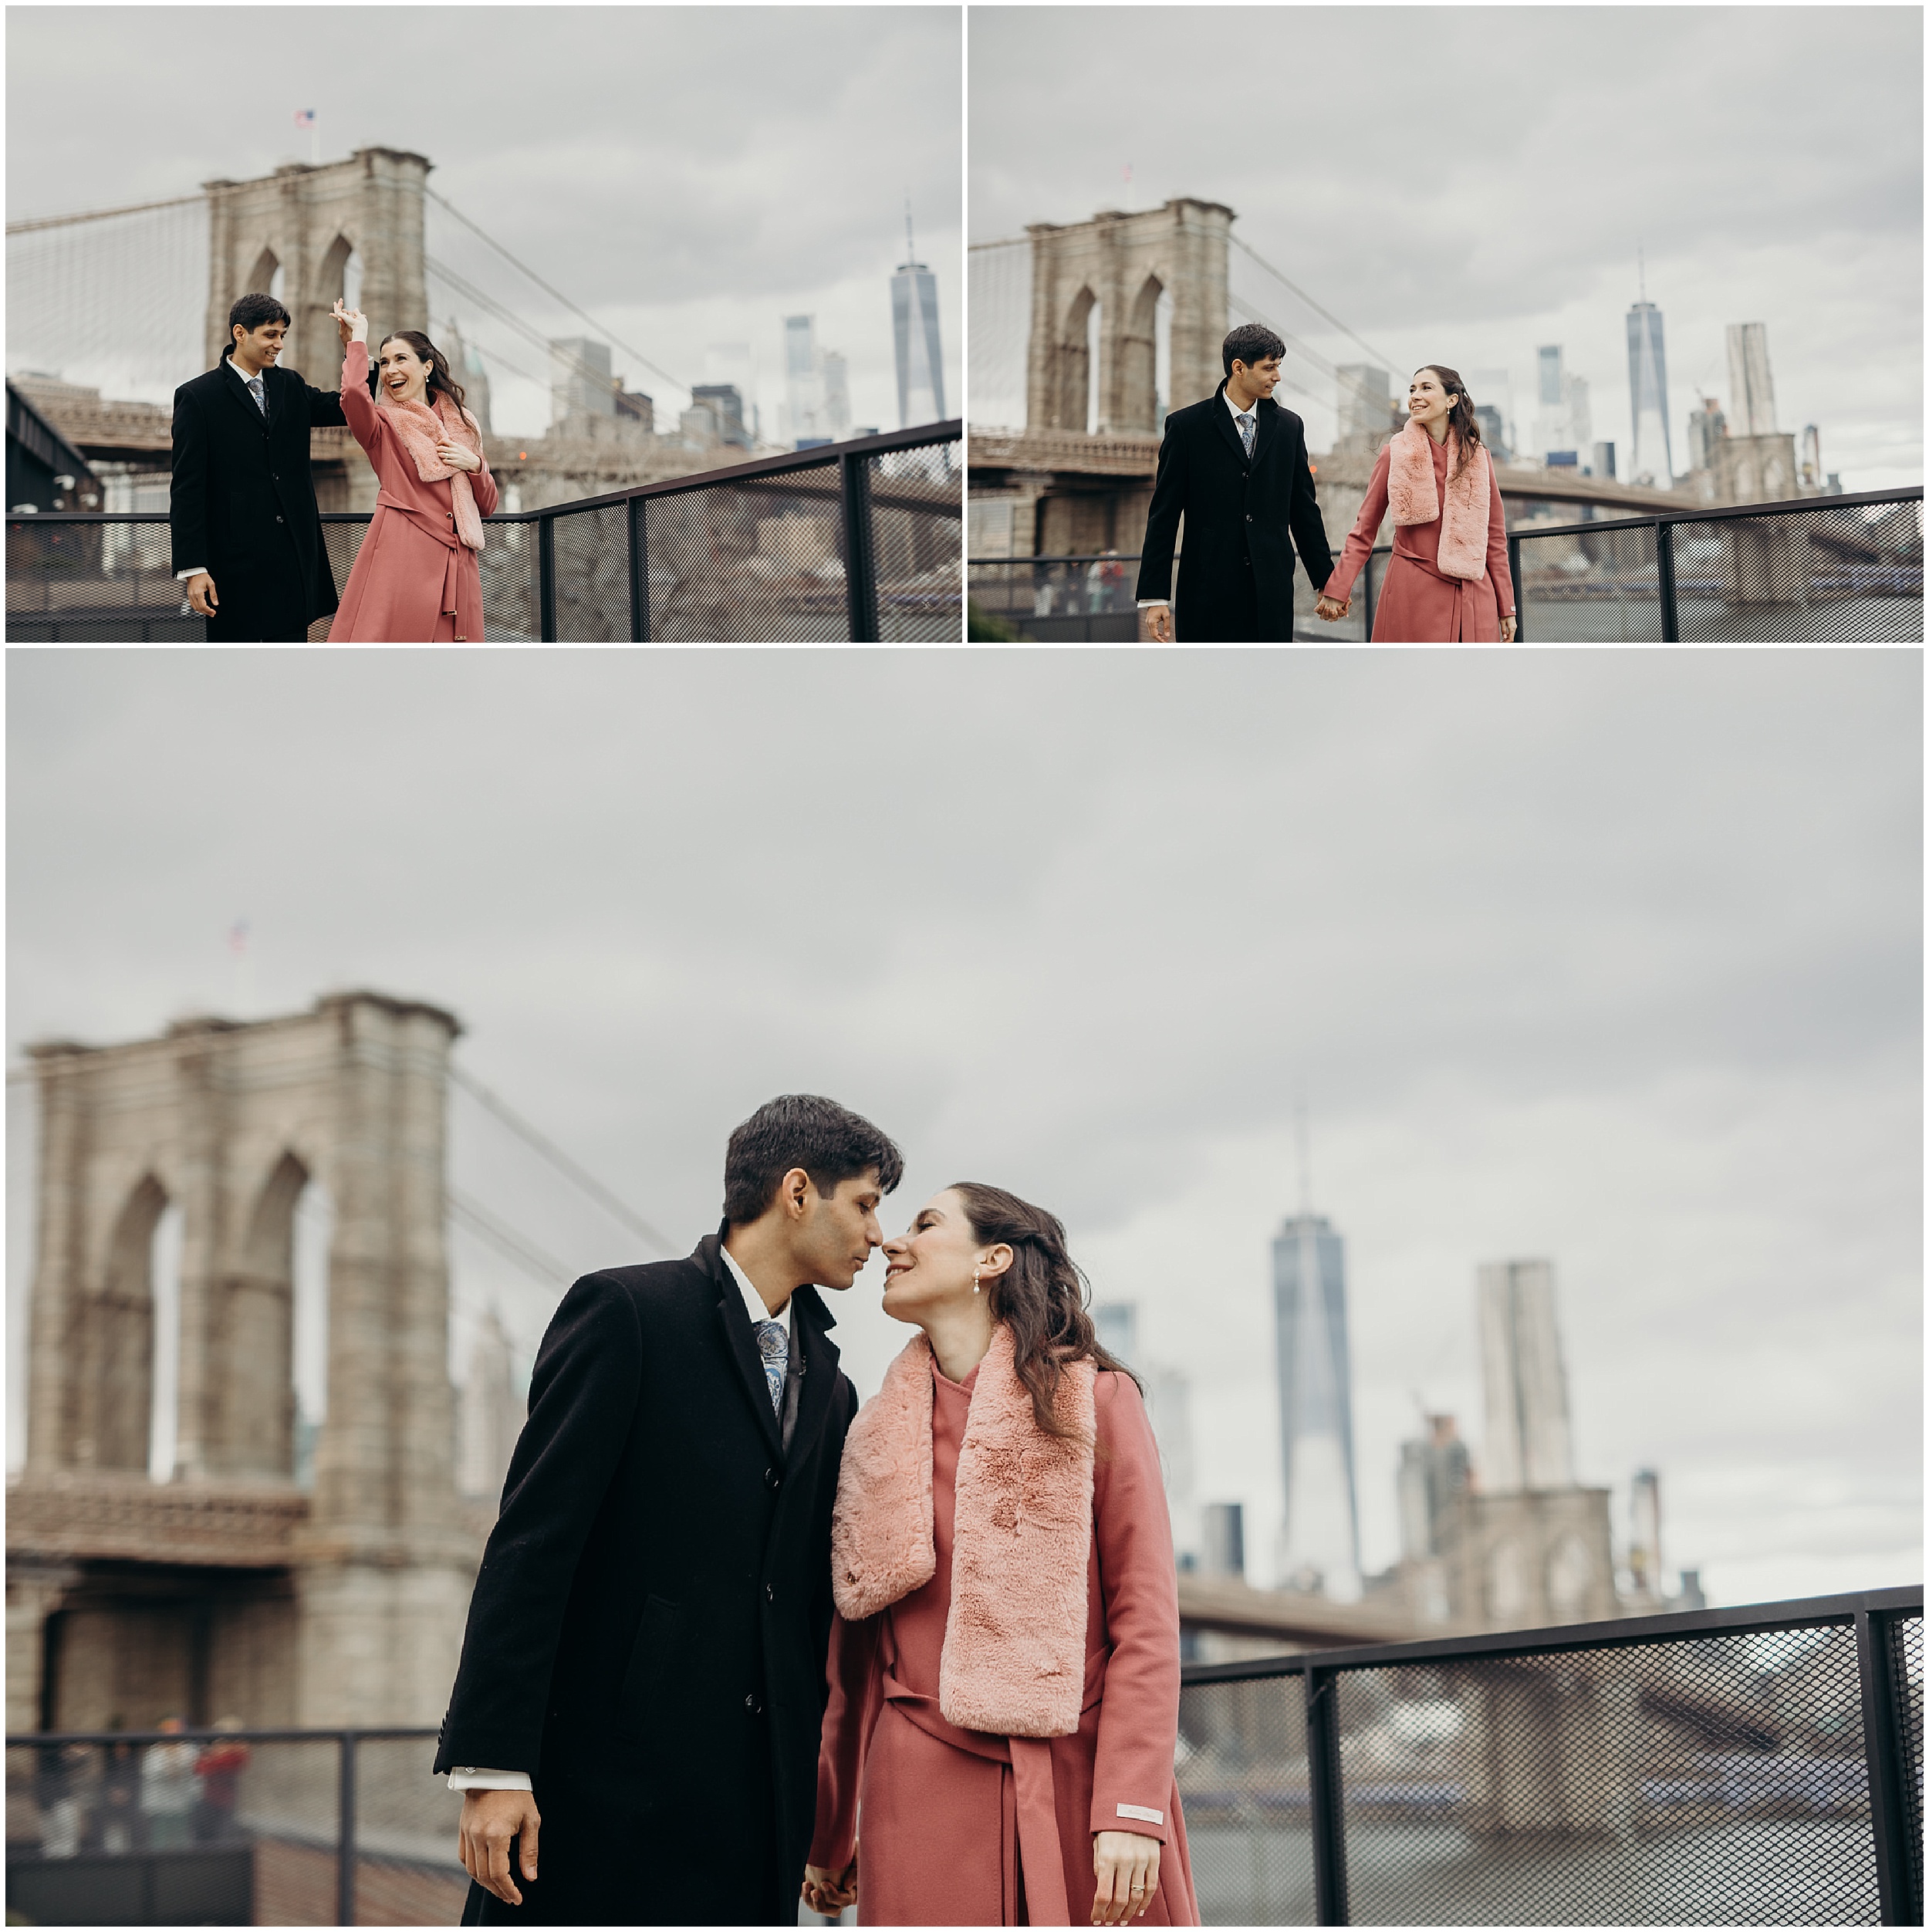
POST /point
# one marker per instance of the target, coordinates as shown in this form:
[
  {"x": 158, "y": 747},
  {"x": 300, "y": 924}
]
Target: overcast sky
[
  {"x": 1464, "y": 184},
  {"x": 689, "y": 175},
  {"x": 1613, "y": 958}
]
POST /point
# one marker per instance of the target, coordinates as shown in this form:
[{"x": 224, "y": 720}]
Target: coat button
[
  {"x": 1248, "y": 516},
  {"x": 772, "y": 1480},
  {"x": 278, "y": 519},
  {"x": 770, "y": 1592}
]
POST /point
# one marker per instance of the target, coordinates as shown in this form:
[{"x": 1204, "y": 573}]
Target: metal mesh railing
[
  {"x": 1905, "y": 1665},
  {"x": 916, "y": 500},
  {"x": 1581, "y": 585},
  {"x": 237, "y": 1828},
  {"x": 742, "y": 562},
  {"x": 856, "y": 541},
  {"x": 1714, "y": 1769}
]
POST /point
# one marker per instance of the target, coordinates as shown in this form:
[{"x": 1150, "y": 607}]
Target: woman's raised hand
[
  {"x": 351, "y": 324},
  {"x": 1127, "y": 1866}
]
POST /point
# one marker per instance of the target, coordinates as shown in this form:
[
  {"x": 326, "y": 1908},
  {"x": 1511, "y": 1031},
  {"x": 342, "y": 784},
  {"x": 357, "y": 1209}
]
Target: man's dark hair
[
  {"x": 1252, "y": 341},
  {"x": 805, "y": 1130},
  {"x": 253, "y": 312}
]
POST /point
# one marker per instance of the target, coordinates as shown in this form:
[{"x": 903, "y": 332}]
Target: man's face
[
  {"x": 261, "y": 346},
  {"x": 1258, "y": 377},
  {"x": 840, "y": 1229}
]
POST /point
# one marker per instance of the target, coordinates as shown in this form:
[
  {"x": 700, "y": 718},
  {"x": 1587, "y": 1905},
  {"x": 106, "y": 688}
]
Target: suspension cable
[
  {"x": 539, "y": 1265},
  {"x": 555, "y": 293},
  {"x": 611, "y": 1203},
  {"x": 98, "y": 214}
]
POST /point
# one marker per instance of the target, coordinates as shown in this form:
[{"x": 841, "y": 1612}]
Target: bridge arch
[
  {"x": 1138, "y": 358},
  {"x": 110, "y": 1391}
]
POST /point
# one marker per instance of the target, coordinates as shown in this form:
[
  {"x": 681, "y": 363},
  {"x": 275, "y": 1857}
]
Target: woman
[
  {"x": 416, "y": 579},
  {"x": 1005, "y": 1661},
  {"x": 1448, "y": 581}
]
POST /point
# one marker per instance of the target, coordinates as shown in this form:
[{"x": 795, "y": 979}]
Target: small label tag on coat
[{"x": 1146, "y": 1812}]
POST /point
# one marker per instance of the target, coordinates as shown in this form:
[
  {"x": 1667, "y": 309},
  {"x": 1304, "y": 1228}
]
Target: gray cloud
[
  {"x": 1468, "y": 182},
  {"x": 1613, "y": 957}
]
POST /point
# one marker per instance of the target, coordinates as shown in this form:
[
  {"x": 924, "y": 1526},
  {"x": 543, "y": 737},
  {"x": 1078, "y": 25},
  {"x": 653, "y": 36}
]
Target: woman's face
[
  {"x": 1427, "y": 401},
  {"x": 928, "y": 1268},
  {"x": 404, "y": 374}
]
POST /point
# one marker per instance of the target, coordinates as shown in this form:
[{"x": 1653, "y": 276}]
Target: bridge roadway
[{"x": 1061, "y": 459}]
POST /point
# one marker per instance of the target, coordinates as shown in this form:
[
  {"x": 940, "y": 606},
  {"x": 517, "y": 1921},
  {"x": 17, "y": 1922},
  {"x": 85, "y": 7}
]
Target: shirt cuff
[
  {"x": 1153, "y": 603},
  {"x": 470, "y": 1778},
  {"x": 185, "y": 575}
]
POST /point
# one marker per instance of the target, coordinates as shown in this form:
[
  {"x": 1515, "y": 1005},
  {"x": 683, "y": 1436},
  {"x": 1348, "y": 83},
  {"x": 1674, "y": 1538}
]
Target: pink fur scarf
[
  {"x": 420, "y": 428},
  {"x": 1411, "y": 494},
  {"x": 1013, "y": 1662}
]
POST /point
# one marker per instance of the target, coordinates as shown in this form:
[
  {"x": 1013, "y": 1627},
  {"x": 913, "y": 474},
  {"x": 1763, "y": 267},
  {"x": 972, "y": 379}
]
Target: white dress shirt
[
  {"x": 228, "y": 362},
  {"x": 474, "y": 1778}
]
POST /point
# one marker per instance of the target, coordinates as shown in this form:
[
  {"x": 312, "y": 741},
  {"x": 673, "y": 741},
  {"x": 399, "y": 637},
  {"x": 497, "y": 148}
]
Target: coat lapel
[
  {"x": 1267, "y": 433},
  {"x": 1223, "y": 416},
  {"x": 820, "y": 1358},
  {"x": 741, "y": 1344}
]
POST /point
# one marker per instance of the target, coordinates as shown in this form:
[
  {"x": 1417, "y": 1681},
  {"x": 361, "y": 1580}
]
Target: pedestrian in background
[{"x": 168, "y": 1787}]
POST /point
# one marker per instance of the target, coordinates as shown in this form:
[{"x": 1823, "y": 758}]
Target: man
[
  {"x": 247, "y": 536},
  {"x": 642, "y": 1678},
  {"x": 1236, "y": 467}
]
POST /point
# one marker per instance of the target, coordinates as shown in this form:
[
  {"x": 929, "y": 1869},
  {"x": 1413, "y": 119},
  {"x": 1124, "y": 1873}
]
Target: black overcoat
[
  {"x": 1237, "y": 516},
  {"x": 242, "y": 503},
  {"x": 650, "y": 1628}
]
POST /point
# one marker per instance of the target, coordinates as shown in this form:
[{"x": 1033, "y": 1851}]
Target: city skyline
[
  {"x": 1476, "y": 252},
  {"x": 1544, "y": 986}
]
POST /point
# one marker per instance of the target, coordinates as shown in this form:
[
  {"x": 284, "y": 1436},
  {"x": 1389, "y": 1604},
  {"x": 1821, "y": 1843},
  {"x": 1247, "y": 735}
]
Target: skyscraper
[
  {"x": 465, "y": 364},
  {"x": 1562, "y": 423},
  {"x": 1321, "y": 1530},
  {"x": 1116, "y": 1326},
  {"x": 1366, "y": 402},
  {"x": 803, "y": 383},
  {"x": 1706, "y": 426},
  {"x": 1812, "y": 473},
  {"x": 580, "y": 383},
  {"x": 920, "y": 361},
  {"x": 1751, "y": 389},
  {"x": 1530, "y": 1444},
  {"x": 836, "y": 377},
  {"x": 1652, "y": 453}
]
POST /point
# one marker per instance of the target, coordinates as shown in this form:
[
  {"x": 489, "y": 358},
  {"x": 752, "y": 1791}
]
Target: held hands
[
  {"x": 351, "y": 324},
  {"x": 491, "y": 1820},
  {"x": 1334, "y": 608},
  {"x": 201, "y": 594},
  {"x": 828, "y": 1893},
  {"x": 1126, "y": 1864}
]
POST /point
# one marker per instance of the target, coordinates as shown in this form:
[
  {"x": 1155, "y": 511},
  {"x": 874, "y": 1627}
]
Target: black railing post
[
  {"x": 1888, "y": 1815},
  {"x": 545, "y": 578},
  {"x": 345, "y": 1834},
  {"x": 638, "y": 574},
  {"x": 1328, "y": 1826},
  {"x": 1513, "y": 570},
  {"x": 860, "y": 566},
  {"x": 1664, "y": 578}
]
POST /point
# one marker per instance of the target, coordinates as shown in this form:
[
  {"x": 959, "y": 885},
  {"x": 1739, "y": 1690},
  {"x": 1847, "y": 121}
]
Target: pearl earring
[{"x": 975, "y": 1288}]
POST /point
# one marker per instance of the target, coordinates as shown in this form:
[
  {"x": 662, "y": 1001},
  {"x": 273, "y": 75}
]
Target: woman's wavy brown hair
[
  {"x": 440, "y": 375},
  {"x": 1040, "y": 1298},
  {"x": 1462, "y": 420}
]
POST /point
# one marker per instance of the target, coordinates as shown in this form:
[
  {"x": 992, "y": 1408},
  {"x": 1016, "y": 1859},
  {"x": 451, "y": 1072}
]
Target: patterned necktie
[
  {"x": 260, "y": 395},
  {"x": 1245, "y": 432},
  {"x": 773, "y": 1344}
]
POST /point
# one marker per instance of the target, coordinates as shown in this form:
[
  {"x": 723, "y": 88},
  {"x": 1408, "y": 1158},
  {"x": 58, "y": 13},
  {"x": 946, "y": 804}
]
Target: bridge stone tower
[
  {"x": 229, "y": 1587},
  {"x": 1122, "y": 263},
  {"x": 307, "y": 221}
]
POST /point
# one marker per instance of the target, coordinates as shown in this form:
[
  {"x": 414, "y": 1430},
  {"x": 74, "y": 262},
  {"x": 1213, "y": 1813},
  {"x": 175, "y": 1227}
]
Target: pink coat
[
  {"x": 413, "y": 582},
  {"x": 963, "y": 1827},
  {"x": 1418, "y": 602}
]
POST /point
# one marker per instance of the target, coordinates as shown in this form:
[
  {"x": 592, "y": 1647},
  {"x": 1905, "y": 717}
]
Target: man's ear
[{"x": 791, "y": 1190}]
